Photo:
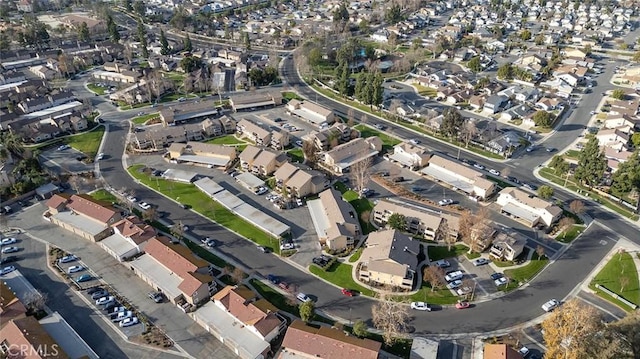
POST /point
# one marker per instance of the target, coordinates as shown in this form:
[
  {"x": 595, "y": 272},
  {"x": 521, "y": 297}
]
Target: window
[{"x": 4, "y": 347}]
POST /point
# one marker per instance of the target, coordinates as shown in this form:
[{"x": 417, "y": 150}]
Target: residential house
[
  {"x": 311, "y": 112},
  {"x": 340, "y": 158},
  {"x": 495, "y": 103},
  {"x": 26, "y": 338},
  {"x": 390, "y": 258},
  {"x": 42, "y": 72},
  {"x": 507, "y": 247},
  {"x": 331, "y": 137},
  {"x": 500, "y": 351},
  {"x": 505, "y": 143},
  {"x": 173, "y": 269},
  {"x": 613, "y": 137},
  {"x": 517, "y": 112},
  {"x": 335, "y": 220},
  {"x": 459, "y": 176},
  {"x": 300, "y": 181},
  {"x": 410, "y": 155},
  {"x": 261, "y": 161},
  {"x": 307, "y": 342},
  {"x": 528, "y": 208},
  {"x": 624, "y": 123},
  {"x": 258, "y": 315},
  {"x": 82, "y": 215},
  {"x": 157, "y": 137},
  {"x": 210, "y": 155},
  {"x": 420, "y": 221},
  {"x": 548, "y": 103}
]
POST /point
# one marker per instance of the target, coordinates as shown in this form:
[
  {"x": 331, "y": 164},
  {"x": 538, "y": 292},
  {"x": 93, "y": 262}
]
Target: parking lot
[{"x": 62, "y": 161}]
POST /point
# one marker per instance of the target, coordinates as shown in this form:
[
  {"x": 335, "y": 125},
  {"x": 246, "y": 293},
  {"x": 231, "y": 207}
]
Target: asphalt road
[{"x": 521, "y": 167}]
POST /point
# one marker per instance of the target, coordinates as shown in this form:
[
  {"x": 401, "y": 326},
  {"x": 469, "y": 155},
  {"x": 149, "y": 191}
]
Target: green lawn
[
  {"x": 472, "y": 255},
  {"x": 206, "y": 255},
  {"x": 274, "y": 297},
  {"x": 387, "y": 141},
  {"x": 192, "y": 196},
  {"x": 425, "y": 91},
  {"x": 525, "y": 273},
  {"x": 140, "y": 120},
  {"x": 438, "y": 296},
  {"x": 441, "y": 252},
  {"x": 620, "y": 266},
  {"x": 340, "y": 275},
  {"x": 288, "y": 95},
  {"x": 361, "y": 205},
  {"x": 88, "y": 142},
  {"x": 176, "y": 77},
  {"x": 97, "y": 89},
  {"x": 356, "y": 255},
  {"x": 226, "y": 140},
  {"x": 175, "y": 96},
  {"x": 499, "y": 181},
  {"x": 104, "y": 195},
  {"x": 574, "y": 154},
  {"x": 570, "y": 234},
  {"x": 296, "y": 155}
]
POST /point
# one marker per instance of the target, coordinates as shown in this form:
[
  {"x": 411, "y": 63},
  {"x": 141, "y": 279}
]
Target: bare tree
[
  {"x": 626, "y": 333},
  {"x": 391, "y": 318},
  {"x": 540, "y": 251},
  {"x": 505, "y": 172},
  {"x": 178, "y": 230},
  {"x": 577, "y": 206},
  {"x": 564, "y": 224},
  {"x": 445, "y": 235},
  {"x": 435, "y": 276},
  {"x": 364, "y": 118},
  {"x": 237, "y": 275},
  {"x": 469, "y": 132},
  {"x": 360, "y": 173},
  {"x": 35, "y": 301},
  {"x": 310, "y": 152},
  {"x": 150, "y": 214}
]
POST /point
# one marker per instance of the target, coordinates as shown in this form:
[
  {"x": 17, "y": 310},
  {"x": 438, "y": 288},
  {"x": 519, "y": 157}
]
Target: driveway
[
  {"x": 178, "y": 326},
  {"x": 64, "y": 161}
]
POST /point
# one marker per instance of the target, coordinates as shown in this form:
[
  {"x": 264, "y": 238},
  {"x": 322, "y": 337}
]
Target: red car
[
  {"x": 348, "y": 292},
  {"x": 462, "y": 305}
]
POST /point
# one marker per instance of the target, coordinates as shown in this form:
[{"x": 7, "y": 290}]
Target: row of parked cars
[{"x": 114, "y": 310}]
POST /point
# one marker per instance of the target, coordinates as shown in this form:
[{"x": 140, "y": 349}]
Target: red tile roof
[
  {"x": 134, "y": 228},
  {"x": 85, "y": 205},
  {"x": 176, "y": 257},
  {"x": 328, "y": 343},
  {"x": 27, "y": 331},
  {"x": 239, "y": 302},
  {"x": 500, "y": 351}
]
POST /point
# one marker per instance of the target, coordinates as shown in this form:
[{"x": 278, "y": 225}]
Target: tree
[
  {"x": 627, "y": 333},
  {"x": 452, "y": 121},
  {"x": 565, "y": 224},
  {"x": 237, "y": 275},
  {"x": 525, "y": 35},
  {"x": 397, "y": 221},
  {"x": 361, "y": 85},
  {"x": 190, "y": 63},
  {"x": 128, "y": 6},
  {"x": 505, "y": 72},
  {"x": 187, "y": 44},
  {"x": 636, "y": 56},
  {"x": 635, "y": 140},
  {"x": 112, "y": 28},
  {"x": 306, "y": 310},
  {"x": 577, "y": 206},
  {"x": 364, "y": 27},
  {"x": 164, "y": 44},
  {"x": 378, "y": 90},
  {"x": 83, "y": 32},
  {"x": 591, "y": 164},
  {"x": 360, "y": 173},
  {"x": 539, "y": 39},
  {"x": 343, "y": 79},
  {"x": 310, "y": 152},
  {"x": 573, "y": 331},
  {"x": 150, "y": 214},
  {"x": 391, "y": 318},
  {"x": 618, "y": 94},
  {"x": 360, "y": 329},
  {"x": 139, "y": 8},
  {"x": 545, "y": 192},
  {"x": 434, "y": 275},
  {"x": 142, "y": 38},
  {"x": 393, "y": 15},
  {"x": 314, "y": 57},
  {"x": 627, "y": 178},
  {"x": 35, "y": 301},
  {"x": 560, "y": 166},
  {"x": 540, "y": 251},
  {"x": 474, "y": 64},
  {"x": 178, "y": 230},
  {"x": 542, "y": 118}
]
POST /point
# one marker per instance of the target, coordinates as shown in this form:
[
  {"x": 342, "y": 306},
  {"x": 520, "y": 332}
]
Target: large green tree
[
  {"x": 378, "y": 90},
  {"x": 474, "y": 64},
  {"x": 393, "y": 15},
  {"x": 397, "y": 221},
  {"x": 164, "y": 44},
  {"x": 591, "y": 164},
  {"x": 560, "y": 166},
  {"x": 142, "y": 38},
  {"x": 627, "y": 177},
  {"x": 542, "y": 119},
  {"x": 83, "y": 32},
  {"x": 505, "y": 72},
  {"x": 112, "y": 28},
  {"x": 343, "y": 81},
  {"x": 452, "y": 122},
  {"x": 187, "y": 44},
  {"x": 307, "y": 310}
]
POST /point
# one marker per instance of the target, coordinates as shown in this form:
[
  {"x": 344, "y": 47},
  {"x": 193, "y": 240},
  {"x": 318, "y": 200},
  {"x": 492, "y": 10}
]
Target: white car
[
  {"x": 455, "y": 284},
  {"x": 69, "y": 258},
  {"x": 7, "y": 270},
  {"x": 478, "y": 166},
  {"x": 592, "y": 113},
  {"x": 75, "y": 269},
  {"x": 299, "y": 143},
  {"x": 500, "y": 281},
  {"x": 463, "y": 291},
  {"x": 123, "y": 315},
  {"x": 550, "y": 305},
  {"x": 261, "y": 190},
  {"x": 7, "y": 241},
  {"x": 286, "y": 246},
  {"x": 413, "y": 141},
  {"x": 303, "y": 297},
  {"x": 132, "y": 199},
  {"x": 100, "y": 156},
  {"x": 524, "y": 351},
  {"x": 299, "y": 202},
  {"x": 420, "y": 306},
  {"x": 445, "y": 202},
  {"x": 10, "y": 249},
  {"x": 129, "y": 322},
  {"x": 494, "y": 172},
  {"x": 456, "y": 275},
  {"x": 63, "y": 147},
  {"x": 443, "y": 263},
  {"x": 144, "y": 205},
  {"x": 481, "y": 261},
  {"x": 105, "y": 300}
]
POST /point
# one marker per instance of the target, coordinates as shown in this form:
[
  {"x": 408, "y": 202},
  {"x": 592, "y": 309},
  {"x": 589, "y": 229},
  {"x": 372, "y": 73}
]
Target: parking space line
[{"x": 598, "y": 307}]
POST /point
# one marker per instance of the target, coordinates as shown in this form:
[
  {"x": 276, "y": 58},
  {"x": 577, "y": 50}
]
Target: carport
[
  {"x": 205, "y": 160},
  {"x": 208, "y": 186},
  {"x": 521, "y": 214},
  {"x": 179, "y": 175},
  {"x": 249, "y": 181},
  {"x": 451, "y": 180},
  {"x": 47, "y": 190}
]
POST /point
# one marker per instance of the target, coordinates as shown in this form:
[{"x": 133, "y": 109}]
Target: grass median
[
  {"x": 340, "y": 275},
  {"x": 141, "y": 120},
  {"x": 620, "y": 276},
  {"x": 437, "y": 253},
  {"x": 96, "y": 89},
  {"x": 528, "y": 271},
  {"x": 189, "y": 194}
]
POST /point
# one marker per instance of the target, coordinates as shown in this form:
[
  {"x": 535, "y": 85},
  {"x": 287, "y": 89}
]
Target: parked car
[
  {"x": 500, "y": 281},
  {"x": 303, "y": 297},
  {"x": 398, "y": 179},
  {"x": 420, "y": 306},
  {"x": 286, "y": 246},
  {"x": 63, "y": 147},
  {"x": 7, "y": 270},
  {"x": 550, "y": 305},
  {"x": 550, "y": 149},
  {"x": 414, "y": 142},
  {"x": 494, "y": 172},
  {"x": 524, "y": 351},
  {"x": 455, "y": 284},
  {"x": 144, "y": 205},
  {"x": 512, "y": 179},
  {"x": 299, "y": 143},
  {"x": 8, "y": 259},
  {"x": 348, "y": 292},
  {"x": 99, "y": 293},
  {"x": 455, "y": 275},
  {"x": 445, "y": 202},
  {"x": 105, "y": 300},
  {"x": 11, "y": 249},
  {"x": 84, "y": 278},
  {"x": 299, "y": 202},
  {"x": 481, "y": 261},
  {"x": 156, "y": 297},
  {"x": 443, "y": 263},
  {"x": 261, "y": 190},
  {"x": 132, "y": 199},
  {"x": 478, "y": 166},
  {"x": 273, "y": 279},
  {"x": 531, "y": 149},
  {"x": 75, "y": 269},
  {"x": 69, "y": 258},
  {"x": 7, "y": 241},
  {"x": 463, "y": 304},
  {"x": 100, "y": 156},
  {"x": 379, "y": 126},
  {"x": 116, "y": 309},
  {"x": 128, "y": 322},
  {"x": 530, "y": 186},
  {"x": 122, "y": 316},
  {"x": 463, "y": 291},
  {"x": 263, "y": 249},
  {"x": 495, "y": 276}
]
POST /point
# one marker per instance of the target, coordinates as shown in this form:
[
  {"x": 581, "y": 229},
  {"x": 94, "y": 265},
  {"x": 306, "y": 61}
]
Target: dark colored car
[
  {"x": 156, "y": 296},
  {"x": 9, "y": 259},
  {"x": 398, "y": 179},
  {"x": 273, "y": 279},
  {"x": 94, "y": 290},
  {"x": 495, "y": 276}
]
